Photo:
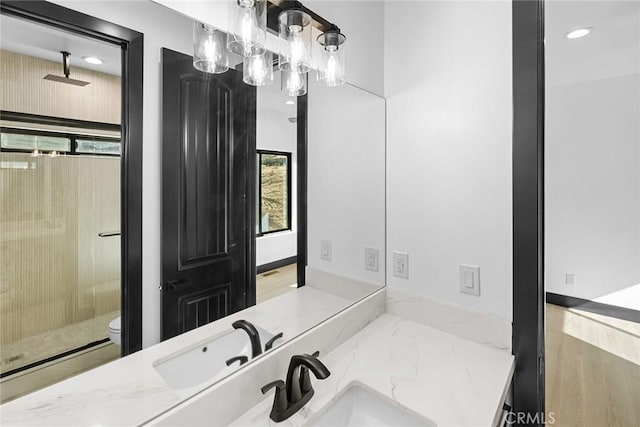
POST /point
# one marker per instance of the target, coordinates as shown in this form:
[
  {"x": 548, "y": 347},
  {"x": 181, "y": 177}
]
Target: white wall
[
  {"x": 275, "y": 132},
  {"x": 346, "y": 178},
  {"x": 361, "y": 21},
  {"x": 161, "y": 28},
  {"x": 449, "y": 129},
  {"x": 592, "y": 189}
]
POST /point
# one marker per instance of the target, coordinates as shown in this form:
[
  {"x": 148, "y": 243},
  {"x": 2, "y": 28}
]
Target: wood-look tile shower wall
[
  {"x": 54, "y": 269},
  {"x": 23, "y": 89}
]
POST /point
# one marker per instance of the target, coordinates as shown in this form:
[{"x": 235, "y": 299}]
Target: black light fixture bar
[{"x": 275, "y": 7}]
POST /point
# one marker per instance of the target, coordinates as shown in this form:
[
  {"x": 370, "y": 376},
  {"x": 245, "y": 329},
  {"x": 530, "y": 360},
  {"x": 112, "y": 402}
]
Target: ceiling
[
  {"x": 42, "y": 41},
  {"x": 612, "y": 48}
]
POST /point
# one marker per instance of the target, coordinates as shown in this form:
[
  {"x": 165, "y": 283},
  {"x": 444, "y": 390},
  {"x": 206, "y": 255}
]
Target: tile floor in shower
[{"x": 57, "y": 341}]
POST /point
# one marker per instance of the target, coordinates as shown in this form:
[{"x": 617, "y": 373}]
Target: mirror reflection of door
[
  {"x": 208, "y": 269},
  {"x": 277, "y": 192},
  {"x": 60, "y": 201},
  {"x": 592, "y": 212}
]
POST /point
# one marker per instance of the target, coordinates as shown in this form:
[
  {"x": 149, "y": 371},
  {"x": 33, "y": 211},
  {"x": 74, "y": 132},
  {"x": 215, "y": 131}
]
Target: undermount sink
[
  {"x": 358, "y": 405},
  {"x": 199, "y": 366}
]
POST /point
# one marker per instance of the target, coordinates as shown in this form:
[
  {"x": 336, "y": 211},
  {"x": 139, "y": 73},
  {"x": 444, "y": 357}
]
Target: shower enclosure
[
  {"x": 60, "y": 202},
  {"x": 59, "y": 244}
]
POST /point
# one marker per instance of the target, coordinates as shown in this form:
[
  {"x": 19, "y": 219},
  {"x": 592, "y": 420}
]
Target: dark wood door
[{"x": 208, "y": 193}]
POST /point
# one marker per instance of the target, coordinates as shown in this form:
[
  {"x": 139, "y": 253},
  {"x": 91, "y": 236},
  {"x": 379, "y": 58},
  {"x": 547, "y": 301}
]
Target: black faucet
[
  {"x": 269, "y": 345},
  {"x": 242, "y": 359},
  {"x": 254, "y": 337},
  {"x": 297, "y": 391}
]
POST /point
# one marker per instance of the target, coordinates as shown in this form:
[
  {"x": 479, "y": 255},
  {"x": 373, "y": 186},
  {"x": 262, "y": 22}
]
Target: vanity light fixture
[
  {"x": 247, "y": 38},
  {"x": 295, "y": 41},
  {"x": 93, "y": 60},
  {"x": 209, "y": 50},
  {"x": 257, "y": 70},
  {"x": 293, "y": 83},
  {"x": 248, "y": 27},
  {"x": 332, "y": 69},
  {"x": 578, "y": 33}
]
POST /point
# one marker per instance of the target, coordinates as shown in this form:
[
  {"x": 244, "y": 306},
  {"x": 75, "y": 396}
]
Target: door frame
[
  {"x": 528, "y": 343},
  {"x": 301, "y": 182},
  {"x": 131, "y": 43}
]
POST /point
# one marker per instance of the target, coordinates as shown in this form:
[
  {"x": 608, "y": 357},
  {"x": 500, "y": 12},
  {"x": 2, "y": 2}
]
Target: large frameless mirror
[{"x": 295, "y": 209}]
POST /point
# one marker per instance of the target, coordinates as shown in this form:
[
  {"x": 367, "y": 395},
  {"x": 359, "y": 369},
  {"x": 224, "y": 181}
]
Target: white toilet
[{"x": 115, "y": 331}]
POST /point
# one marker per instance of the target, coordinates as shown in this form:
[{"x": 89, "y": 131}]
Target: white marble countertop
[
  {"x": 129, "y": 391},
  {"x": 449, "y": 380}
]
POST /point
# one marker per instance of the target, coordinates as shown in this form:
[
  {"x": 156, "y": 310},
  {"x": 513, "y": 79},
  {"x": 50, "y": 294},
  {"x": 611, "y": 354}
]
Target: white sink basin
[
  {"x": 193, "y": 369},
  {"x": 358, "y": 405}
]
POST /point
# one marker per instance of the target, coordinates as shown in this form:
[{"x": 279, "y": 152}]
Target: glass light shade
[
  {"x": 258, "y": 70},
  {"x": 293, "y": 83},
  {"x": 332, "y": 70},
  {"x": 295, "y": 41},
  {"x": 209, "y": 51},
  {"x": 247, "y": 27}
]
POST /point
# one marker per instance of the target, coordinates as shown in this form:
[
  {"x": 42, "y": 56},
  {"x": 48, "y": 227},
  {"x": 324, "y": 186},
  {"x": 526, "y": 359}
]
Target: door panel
[
  {"x": 200, "y": 307},
  {"x": 208, "y": 168},
  {"x": 204, "y": 202}
]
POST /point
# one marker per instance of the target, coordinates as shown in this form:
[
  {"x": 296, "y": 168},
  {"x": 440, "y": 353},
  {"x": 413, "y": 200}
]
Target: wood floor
[
  {"x": 273, "y": 283},
  {"x": 592, "y": 369}
]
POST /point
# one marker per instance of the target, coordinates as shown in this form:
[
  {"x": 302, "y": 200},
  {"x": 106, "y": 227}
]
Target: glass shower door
[{"x": 60, "y": 253}]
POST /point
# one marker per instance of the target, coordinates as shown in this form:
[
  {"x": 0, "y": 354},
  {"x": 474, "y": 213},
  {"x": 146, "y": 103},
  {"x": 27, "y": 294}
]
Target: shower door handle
[{"x": 108, "y": 233}]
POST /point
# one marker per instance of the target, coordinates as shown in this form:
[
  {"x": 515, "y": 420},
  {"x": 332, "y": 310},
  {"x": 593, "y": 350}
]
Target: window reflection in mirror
[{"x": 274, "y": 192}]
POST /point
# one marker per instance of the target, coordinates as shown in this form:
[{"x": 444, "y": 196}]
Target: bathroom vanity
[
  {"x": 134, "y": 389},
  {"x": 392, "y": 370},
  {"x": 399, "y": 368}
]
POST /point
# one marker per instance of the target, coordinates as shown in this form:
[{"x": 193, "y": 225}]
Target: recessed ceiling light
[
  {"x": 290, "y": 102},
  {"x": 93, "y": 60},
  {"x": 579, "y": 32}
]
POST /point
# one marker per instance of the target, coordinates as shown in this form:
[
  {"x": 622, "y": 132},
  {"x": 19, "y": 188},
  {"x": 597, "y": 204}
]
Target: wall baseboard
[
  {"x": 594, "y": 307},
  {"x": 276, "y": 264}
]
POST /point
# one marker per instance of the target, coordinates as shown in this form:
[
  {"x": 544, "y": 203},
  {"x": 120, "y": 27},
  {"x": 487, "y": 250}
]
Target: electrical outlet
[
  {"x": 401, "y": 264},
  {"x": 371, "y": 259},
  {"x": 469, "y": 276},
  {"x": 570, "y": 279},
  {"x": 326, "y": 250}
]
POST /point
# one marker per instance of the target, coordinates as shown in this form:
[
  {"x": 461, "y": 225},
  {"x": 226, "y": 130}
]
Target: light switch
[
  {"x": 469, "y": 278},
  {"x": 325, "y": 250}
]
